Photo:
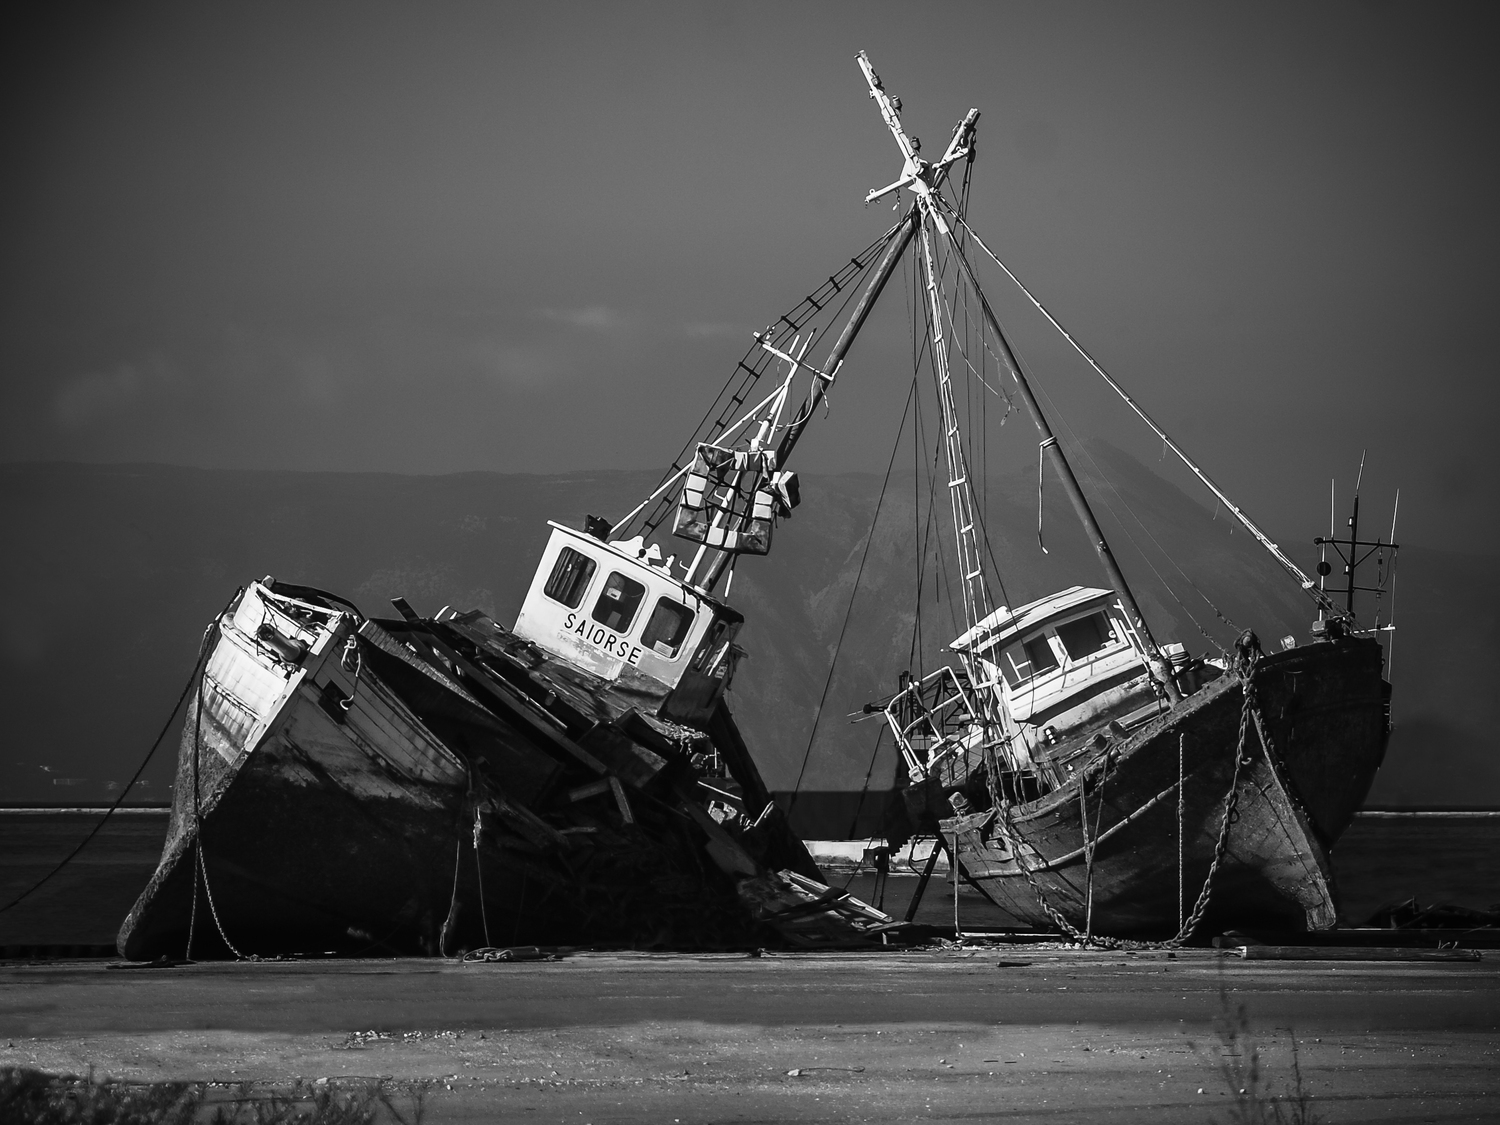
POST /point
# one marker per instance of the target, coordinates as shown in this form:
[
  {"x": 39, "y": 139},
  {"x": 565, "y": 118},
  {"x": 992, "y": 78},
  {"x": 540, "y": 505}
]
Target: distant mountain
[{"x": 112, "y": 572}]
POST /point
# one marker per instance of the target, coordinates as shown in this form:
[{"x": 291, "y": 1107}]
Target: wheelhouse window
[
  {"x": 569, "y": 578},
  {"x": 1085, "y": 636},
  {"x": 618, "y": 601},
  {"x": 1040, "y": 654},
  {"x": 668, "y": 626},
  {"x": 1020, "y": 662}
]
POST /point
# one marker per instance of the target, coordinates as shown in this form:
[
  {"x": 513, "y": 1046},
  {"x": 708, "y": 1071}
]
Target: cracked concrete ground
[{"x": 984, "y": 1034}]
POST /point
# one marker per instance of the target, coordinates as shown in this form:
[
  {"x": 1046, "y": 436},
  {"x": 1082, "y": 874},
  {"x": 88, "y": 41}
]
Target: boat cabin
[
  {"x": 615, "y": 610},
  {"x": 1061, "y": 663}
]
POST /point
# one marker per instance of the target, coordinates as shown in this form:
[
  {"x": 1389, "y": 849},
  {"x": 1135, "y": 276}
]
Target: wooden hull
[
  {"x": 348, "y": 797},
  {"x": 1324, "y": 708},
  {"x": 318, "y": 825}
]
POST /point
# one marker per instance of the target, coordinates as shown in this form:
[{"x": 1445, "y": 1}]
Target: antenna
[
  {"x": 1353, "y": 557},
  {"x": 1323, "y": 567},
  {"x": 1390, "y": 648},
  {"x": 1354, "y": 535}
]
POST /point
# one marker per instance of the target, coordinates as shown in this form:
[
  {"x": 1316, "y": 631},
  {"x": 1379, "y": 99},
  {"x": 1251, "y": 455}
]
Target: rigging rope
[
  {"x": 981, "y": 516},
  {"x": 849, "y": 610},
  {"x": 448, "y": 922},
  {"x": 941, "y": 581},
  {"x": 1101, "y": 478},
  {"x": 1062, "y": 421},
  {"x": 864, "y": 789},
  {"x": 918, "y": 542},
  {"x": 720, "y": 414},
  {"x": 1103, "y": 496},
  {"x": 1306, "y": 583},
  {"x": 203, "y": 648}
]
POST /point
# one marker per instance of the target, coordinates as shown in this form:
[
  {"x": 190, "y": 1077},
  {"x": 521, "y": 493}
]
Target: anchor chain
[{"x": 1249, "y": 708}]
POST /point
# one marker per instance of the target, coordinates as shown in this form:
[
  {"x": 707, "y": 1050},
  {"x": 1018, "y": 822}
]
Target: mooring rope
[
  {"x": 203, "y": 649},
  {"x": 448, "y": 922}
]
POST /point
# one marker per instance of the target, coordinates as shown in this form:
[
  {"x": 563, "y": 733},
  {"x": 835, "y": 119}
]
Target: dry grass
[
  {"x": 1258, "y": 1097},
  {"x": 36, "y": 1098}
]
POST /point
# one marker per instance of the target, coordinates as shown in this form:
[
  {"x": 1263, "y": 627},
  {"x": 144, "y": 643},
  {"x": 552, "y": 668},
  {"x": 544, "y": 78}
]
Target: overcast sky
[{"x": 535, "y": 237}]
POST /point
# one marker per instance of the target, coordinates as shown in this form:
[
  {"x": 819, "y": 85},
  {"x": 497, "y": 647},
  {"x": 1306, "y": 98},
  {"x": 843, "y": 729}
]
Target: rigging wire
[
  {"x": 1275, "y": 551},
  {"x": 916, "y": 492},
  {"x": 754, "y": 364},
  {"x": 919, "y": 539},
  {"x": 1307, "y": 585},
  {"x": 931, "y": 544},
  {"x": 1104, "y": 498},
  {"x": 1101, "y": 476},
  {"x": 203, "y": 650},
  {"x": 920, "y": 344},
  {"x": 849, "y": 609},
  {"x": 864, "y": 790},
  {"x": 943, "y": 582},
  {"x": 961, "y": 496},
  {"x": 998, "y": 387},
  {"x": 980, "y": 517}
]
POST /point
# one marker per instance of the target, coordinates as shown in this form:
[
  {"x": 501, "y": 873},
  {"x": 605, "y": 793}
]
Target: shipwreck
[{"x": 365, "y": 785}]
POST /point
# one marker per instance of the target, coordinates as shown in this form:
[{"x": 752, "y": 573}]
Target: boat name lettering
[{"x": 606, "y": 640}]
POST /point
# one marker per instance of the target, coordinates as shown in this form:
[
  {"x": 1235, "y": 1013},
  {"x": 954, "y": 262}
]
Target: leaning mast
[
  {"x": 922, "y": 179},
  {"x": 895, "y": 247}
]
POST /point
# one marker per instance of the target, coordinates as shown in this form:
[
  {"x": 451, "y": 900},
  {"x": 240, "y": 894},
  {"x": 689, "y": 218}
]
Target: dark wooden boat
[
  {"x": 1081, "y": 774},
  {"x": 432, "y": 783},
  {"x": 1135, "y": 835},
  {"x": 426, "y": 785}
]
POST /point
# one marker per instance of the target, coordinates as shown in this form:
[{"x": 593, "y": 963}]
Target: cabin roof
[{"x": 1005, "y": 623}]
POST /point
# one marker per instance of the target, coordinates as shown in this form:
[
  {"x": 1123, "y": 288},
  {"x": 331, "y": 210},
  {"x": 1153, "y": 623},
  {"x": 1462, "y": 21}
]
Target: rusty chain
[{"x": 1248, "y": 708}]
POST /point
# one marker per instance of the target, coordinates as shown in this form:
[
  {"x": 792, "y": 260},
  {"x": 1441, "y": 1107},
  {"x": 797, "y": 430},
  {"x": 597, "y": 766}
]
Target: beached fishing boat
[
  {"x": 362, "y": 785},
  {"x": 1084, "y": 776},
  {"x": 1081, "y": 774},
  {"x": 384, "y": 786}
]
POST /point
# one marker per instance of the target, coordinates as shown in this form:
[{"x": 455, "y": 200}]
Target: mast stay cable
[
  {"x": 720, "y": 414},
  {"x": 1079, "y": 447},
  {"x": 1325, "y": 603},
  {"x": 198, "y": 664},
  {"x": 849, "y": 609}
]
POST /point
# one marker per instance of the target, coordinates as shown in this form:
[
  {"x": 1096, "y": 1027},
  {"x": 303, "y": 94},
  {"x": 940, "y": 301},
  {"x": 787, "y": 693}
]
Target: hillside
[{"x": 113, "y": 572}]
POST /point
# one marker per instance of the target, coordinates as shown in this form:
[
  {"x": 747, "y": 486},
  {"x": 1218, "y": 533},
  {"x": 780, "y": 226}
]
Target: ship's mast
[
  {"x": 922, "y": 179},
  {"x": 895, "y": 247}
]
